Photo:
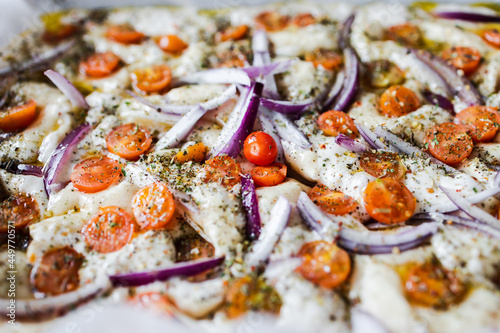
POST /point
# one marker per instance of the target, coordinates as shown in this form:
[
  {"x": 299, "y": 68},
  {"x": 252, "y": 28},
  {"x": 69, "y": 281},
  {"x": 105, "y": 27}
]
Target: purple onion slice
[
  {"x": 461, "y": 222},
  {"x": 21, "y": 169},
  {"x": 286, "y": 129},
  {"x": 216, "y": 76},
  {"x": 334, "y": 92},
  {"x": 269, "y": 128},
  {"x": 287, "y": 107},
  {"x": 67, "y": 88},
  {"x": 251, "y": 207},
  {"x": 351, "y": 144},
  {"x": 467, "y": 16},
  {"x": 178, "y": 269},
  {"x": 441, "y": 101},
  {"x": 315, "y": 218},
  {"x": 62, "y": 153},
  {"x": 351, "y": 83},
  {"x": 371, "y": 138},
  {"x": 271, "y": 233}
]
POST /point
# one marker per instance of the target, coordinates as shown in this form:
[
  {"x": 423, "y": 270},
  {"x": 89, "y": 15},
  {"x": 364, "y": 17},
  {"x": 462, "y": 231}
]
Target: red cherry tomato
[{"x": 260, "y": 148}]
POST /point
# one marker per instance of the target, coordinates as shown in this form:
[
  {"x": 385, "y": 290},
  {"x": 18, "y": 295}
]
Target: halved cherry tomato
[
  {"x": 383, "y": 164},
  {"x": 233, "y": 33},
  {"x": 129, "y": 141},
  {"x": 248, "y": 293},
  {"x": 398, "y": 101},
  {"x": 449, "y": 143},
  {"x": 18, "y": 117},
  {"x": 54, "y": 36},
  {"x": 466, "y": 59},
  {"x": 260, "y": 148},
  {"x": 492, "y": 36},
  {"x": 153, "y": 206},
  {"x": 194, "y": 153},
  {"x": 389, "y": 201},
  {"x": 303, "y": 20},
  {"x": 223, "y": 169},
  {"x": 124, "y": 34},
  {"x": 324, "y": 264},
  {"x": 193, "y": 247},
  {"x": 153, "y": 300},
  {"x": 332, "y": 202},
  {"x": 333, "y": 123},
  {"x": 100, "y": 65},
  {"x": 271, "y": 21},
  {"x": 270, "y": 175},
  {"x": 328, "y": 59},
  {"x": 151, "y": 80},
  {"x": 171, "y": 44},
  {"x": 405, "y": 34},
  {"x": 432, "y": 285},
  {"x": 57, "y": 272},
  {"x": 18, "y": 211},
  {"x": 109, "y": 230},
  {"x": 95, "y": 174},
  {"x": 482, "y": 122}
]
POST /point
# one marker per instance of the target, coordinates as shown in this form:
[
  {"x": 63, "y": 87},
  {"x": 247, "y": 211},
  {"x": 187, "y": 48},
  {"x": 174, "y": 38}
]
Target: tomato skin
[
  {"x": 383, "y": 164},
  {"x": 57, "y": 272},
  {"x": 324, "y": 264},
  {"x": 19, "y": 210},
  {"x": 194, "y": 153},
  {"x": 151, "y": 80},
  {"x": 482, "y": 122},
  {"x": 398, "y": 101},
  {"x": 303, "y": 20},
  {"x": 328, "y": 59},
  {"x": 492, "y": 36},
  {"x": 100, "y": 65},
  {"x": 389, "y": 201},
  {"x": 124, "y": 34},
  {"x": 333, "y": 123},
  {"x": 332, "y": 202},
  {"x": 271, "y": 21},
  {"x": 405, "y": 34},
  {"x": 62, "y": 32},
  {"x": 171, "y": 44},
  {"x": 18, "y": 117},
  {"x": 466, "y": 59},
  {"x": 95, "y": 174},
  {"x": 129, "y": 141},
  {"x": 260, "y": 148},
  {"x": 223, "y": 169},
  {"x": 449, "y": 143},
  {"x": 109, "y": 230},
  {"x": 431, "y": 285},
  {"x": 270, "y": 175},
  {"x": 153, "y": 206},
  {"x": 233, "y": 33}
]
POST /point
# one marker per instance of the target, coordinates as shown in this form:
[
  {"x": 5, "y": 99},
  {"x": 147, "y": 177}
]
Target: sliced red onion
[
  {"x": 21, "y": 169},
  {"x": 271, "y": 233},
  {"x": 181, "y": 129},
  {"x": 286, "y": 129},
  {"x": 468, "y": 16},
  {"x": 370, "y": 138},
  {"x": 351, "y": 144},
  {"x": 217, "y": 76},
  {"x": 254, "y": 72},
  {"x": 67, "y": 88},
  {"x": 269, "y": 128},
  {"x": 251, "y": 207},
  {"x": 363, "y": 322},
  {"x": 469, "y": 224},
  {"x": 334, "y": 92},
  {"x": 345, "y": 32},
  {"x": 262, "y": 57},
  {"x": 380, "y": 242},
  {"x": 473, "y": 199},
  {"x": 45, "y": 308},
  {"x": 60, "y": 156},
  {"x": 287, "y": 107},
  {"x": 410, "y": 149},
  {"x": 469, "y": 209},
  {"x": 496, "y": 180},
  {"x": 157, "y": 107},
  {"x": 441, "y": 101},
  {"x": 240, "y": 124},
  {"x": 179, "y": 269},
  {"x": 315, "y": 218},
  {"x": 38, "y": 61},
  {"x": 458, "y": 85},
  {"x": 350, "y": 86}
]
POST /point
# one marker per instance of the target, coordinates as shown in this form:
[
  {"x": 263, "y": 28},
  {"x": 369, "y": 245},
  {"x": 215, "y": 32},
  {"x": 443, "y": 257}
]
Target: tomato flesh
[
  {"x": 405, "y": 34},
  {"x": 223, "y": 169},
  {"x": 449, "y": 143},
  {"x": 482, "y": 122},
  {"x": 171, "y": 44},
  {"x": 124, "y": 34},
  {"x": 328, "y": 59},
  {"x": 19, "y": 117},
  {"x": 95, "y": 174},
  {"x": 153, "y": 206},
  {"x": 269, "y": 175},
  {"x": 151, "y": 80},
  {"x": 383, "y": 164},
  {"x": 398, "y": 101},
  {"x": 129, "y": 141},
  {"x": 100, "y": 65},
  {"x": 332, "y": 202},
  {"x": 333, "y": 123},
  {"x": 466, "y": 59},
  {"x": 19, "y": 211}
]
